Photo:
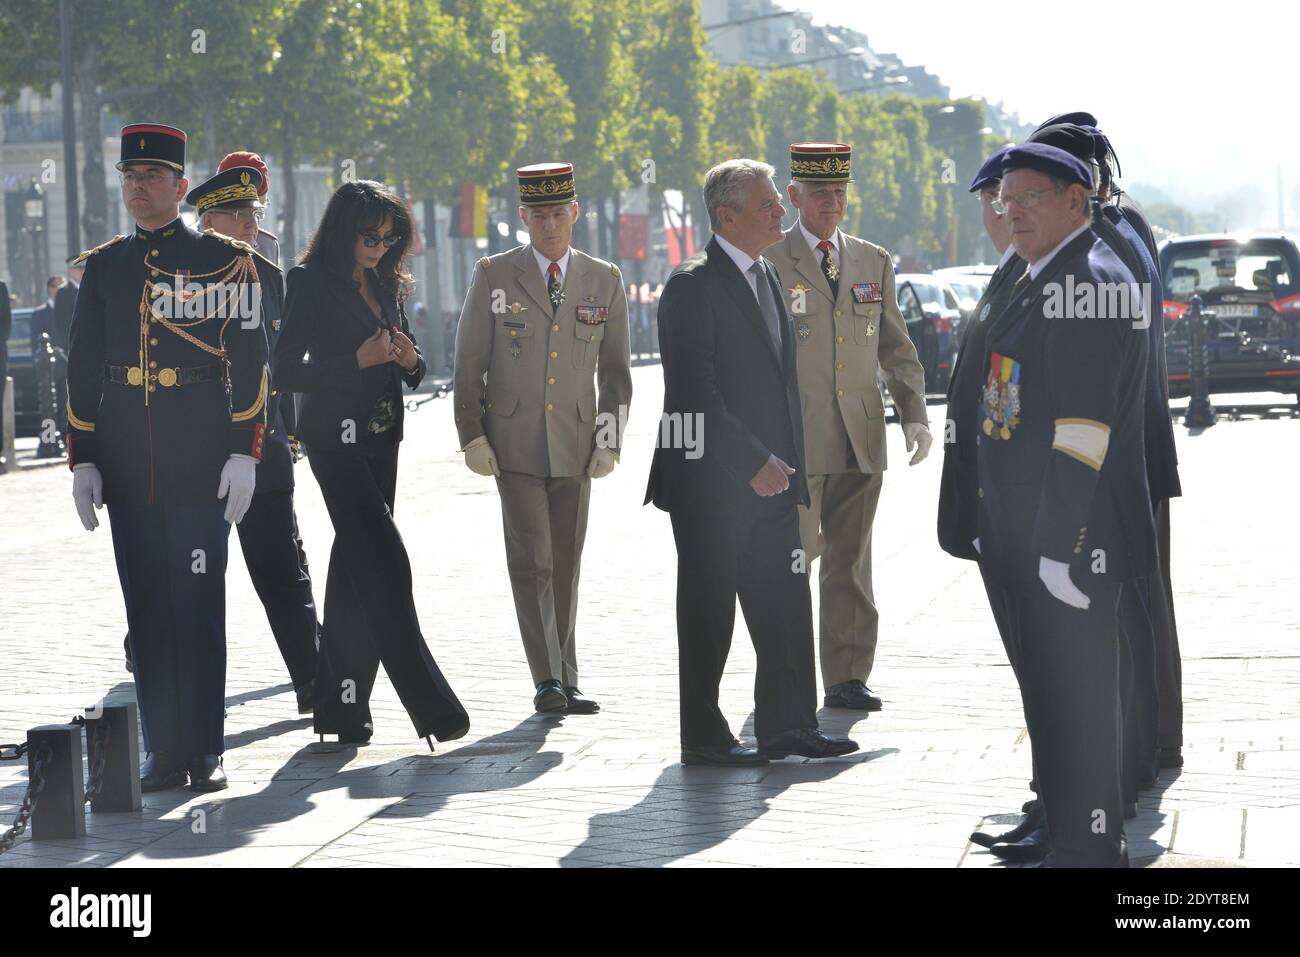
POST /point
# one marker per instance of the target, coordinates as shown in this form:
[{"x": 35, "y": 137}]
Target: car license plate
[{"x": 1227, "y": 311}]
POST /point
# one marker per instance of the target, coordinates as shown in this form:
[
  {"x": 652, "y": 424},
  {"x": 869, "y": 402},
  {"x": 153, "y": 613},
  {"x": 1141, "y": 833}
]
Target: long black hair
[{"x": 358, "y": 207}]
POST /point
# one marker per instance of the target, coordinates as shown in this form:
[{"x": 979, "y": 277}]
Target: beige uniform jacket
[
  {"x": 841, "y": 343},
  {"x": 524, "y": 378}
]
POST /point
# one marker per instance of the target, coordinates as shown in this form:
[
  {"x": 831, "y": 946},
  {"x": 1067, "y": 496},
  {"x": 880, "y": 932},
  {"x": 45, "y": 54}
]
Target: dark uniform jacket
[
  {"x": 1067, "y": 477},
  {"x": 45, "y": 321},
  {"x": 65, "y": 303},
  {"x": 958, "y": 504},
  {"x": 720, "y": 364},
  {"x": 1162, "y": 455},
  {"x": 275, "y": 471},
  {"x": 159, "y": 403},
  {"x": 325, "y": 322}
]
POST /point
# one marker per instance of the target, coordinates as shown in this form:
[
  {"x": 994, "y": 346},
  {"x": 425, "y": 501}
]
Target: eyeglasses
[
  {"x": 151, "y": 177},
  {"x": 372, "y": 240},
  {"x": 243, "y": 215},
  {"x": 1025, "y": 199}
]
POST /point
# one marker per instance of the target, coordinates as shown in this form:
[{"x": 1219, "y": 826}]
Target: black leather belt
[{"x": 131, "y": 375}]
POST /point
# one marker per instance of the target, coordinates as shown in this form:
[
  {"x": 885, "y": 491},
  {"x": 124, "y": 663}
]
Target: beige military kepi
[
  {"x": 542, "y": 384},
  {"x": 842, "y": 340}
]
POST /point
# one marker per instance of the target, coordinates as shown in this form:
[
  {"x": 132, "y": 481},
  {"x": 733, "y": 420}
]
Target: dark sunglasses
[{"x": 374, "y": 239}]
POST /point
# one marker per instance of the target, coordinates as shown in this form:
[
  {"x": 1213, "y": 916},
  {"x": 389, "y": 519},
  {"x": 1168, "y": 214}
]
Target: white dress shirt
[
  {"x": 813, "y": 241},
  {"x": 1043, "y": 263},
  {"x": 743, "y": 261}
]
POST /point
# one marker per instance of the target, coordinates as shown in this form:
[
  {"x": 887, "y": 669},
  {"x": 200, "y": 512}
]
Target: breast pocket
[
  {"x": 587, "y": 346},
  {"x": 514, "y": 332},
  {"x": 866, "y": 322}
]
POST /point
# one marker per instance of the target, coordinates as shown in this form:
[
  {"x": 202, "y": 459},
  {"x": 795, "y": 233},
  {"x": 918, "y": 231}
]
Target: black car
[
  {"x": 22, "y": 369},
  {"x": 933, "y": 315},
  {"x": 1252, "y": 285}
]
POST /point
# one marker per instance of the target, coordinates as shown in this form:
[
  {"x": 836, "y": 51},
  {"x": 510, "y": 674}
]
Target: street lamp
[{"x": 34, "y": 209}]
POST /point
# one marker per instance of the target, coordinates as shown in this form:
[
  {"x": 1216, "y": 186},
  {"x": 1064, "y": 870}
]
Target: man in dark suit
[
  {"x": 729, "y": 470},
  {"x": 230, "y": 203},
  {"x": 1064, "y": 513},
  {"x": 45, "y": 318},
  {"x": 958, "y": 504},
  {"x": 65, "y": 301}
]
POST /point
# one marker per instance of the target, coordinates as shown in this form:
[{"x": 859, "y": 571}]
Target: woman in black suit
[{"x": 347, "y": 348}]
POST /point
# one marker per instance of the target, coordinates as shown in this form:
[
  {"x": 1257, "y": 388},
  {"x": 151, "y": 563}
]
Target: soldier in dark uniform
[
  {"x": 264, "y": 241},
  {"x": 1064, "y": 512},
  {"x": 230, "y": 203},
  {"x": 1123, "y": 228},
  {"x": 167, "y": 384}
]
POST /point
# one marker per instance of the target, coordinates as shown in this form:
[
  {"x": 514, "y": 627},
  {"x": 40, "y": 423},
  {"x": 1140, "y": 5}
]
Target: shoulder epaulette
[
  {"x": 273, "y": 265},
  {"x": 239, "y": 244},
  {"x": 484, "y": 262},
  {"x": 613, "y": 270},
  {"x": 90, "y": 252},
  {"x": 881, "y": 249}
]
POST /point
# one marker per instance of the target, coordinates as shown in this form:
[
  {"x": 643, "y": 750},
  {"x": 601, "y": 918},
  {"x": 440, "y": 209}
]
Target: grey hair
[{"x": 724, "y": 185}]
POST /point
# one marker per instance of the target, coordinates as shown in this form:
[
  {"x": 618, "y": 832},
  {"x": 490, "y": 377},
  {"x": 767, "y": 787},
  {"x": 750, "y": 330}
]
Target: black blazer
[
  {"x": 325, "y": 322},
  {"x": 721, "y": 367},
  {"x": 1035, "y": 499},
  {"x": 958, "y": 502}
]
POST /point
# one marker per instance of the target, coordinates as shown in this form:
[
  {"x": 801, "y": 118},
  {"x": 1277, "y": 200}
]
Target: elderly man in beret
[{"x": 1064, "y": 512}]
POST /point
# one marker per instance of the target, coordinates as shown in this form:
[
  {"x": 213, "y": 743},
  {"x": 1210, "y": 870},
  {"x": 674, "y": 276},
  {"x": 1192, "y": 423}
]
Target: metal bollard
[
  {"x": 1200, "y": 414},
  {"x": 47, "y": 391},
  {"x": 61, "y": 808},
  {"x": 114, "y": 775}
]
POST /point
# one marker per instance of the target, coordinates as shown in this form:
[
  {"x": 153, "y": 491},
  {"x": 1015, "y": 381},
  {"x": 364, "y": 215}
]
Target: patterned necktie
[
  {"x": 553, "y": 286},
  {"x": 767, "y": 304},
  {"x": 829, "y": 269}
]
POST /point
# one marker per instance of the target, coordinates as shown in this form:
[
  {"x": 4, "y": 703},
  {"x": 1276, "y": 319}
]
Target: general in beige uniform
[
  {"x": 840, "y": 293},
  {"x": 542, "y": 385}
]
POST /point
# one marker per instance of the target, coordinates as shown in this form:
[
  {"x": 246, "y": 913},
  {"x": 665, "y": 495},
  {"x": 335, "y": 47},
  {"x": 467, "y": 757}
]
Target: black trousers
[
  {"x": 1169, "y": 661},
  {"x": 1139, "y": 695},
  {"x": 171, "y": 562},
  {"x": 369, "y": 607},
  {"x": 277, "y": 565},
  {"x": 751, "y": 551},
  {"x": 1067, "y": 661}
]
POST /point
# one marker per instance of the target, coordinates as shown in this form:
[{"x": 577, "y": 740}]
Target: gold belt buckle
[
  {"x": 167, "y": 378},
  {"x": 134, "y": 376}
]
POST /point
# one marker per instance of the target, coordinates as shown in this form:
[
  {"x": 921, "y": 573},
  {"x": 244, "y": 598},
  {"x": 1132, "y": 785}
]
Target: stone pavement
[{"x": 947, "y": 754}]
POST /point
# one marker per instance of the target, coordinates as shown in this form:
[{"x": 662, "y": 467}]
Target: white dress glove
[
  {"x": 87, "y": 493},
  {"x": 238, "y": 480},
  {"x": 480, "y": 458},
  {"x": 602, "y": 462},
  {"x": 1056, "y": 576},
  {"x": 918, "y": 437}
]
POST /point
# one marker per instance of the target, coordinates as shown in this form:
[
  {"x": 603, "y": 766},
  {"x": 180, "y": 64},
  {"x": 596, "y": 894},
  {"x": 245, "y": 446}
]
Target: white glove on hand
[
  {"x": 918, "y": 436},
  {"x": 1056, "y": 576},
  {"x": 87, "y": 493},
  {"x": 238, "y": 480},
  {"x": 602, "y": 462},
  {"x": 480, "y": 458}
]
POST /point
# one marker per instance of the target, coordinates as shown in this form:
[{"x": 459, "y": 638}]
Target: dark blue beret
[
  {"x": 1080, "y": 141},
  {"x": 1079, "y": 118},
  {"x": 990, "y": 172},
  {"x": 1051, "y": 160}
]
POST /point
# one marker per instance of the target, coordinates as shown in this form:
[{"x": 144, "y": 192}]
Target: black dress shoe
[
  {"x": 1031, "y": 822},
  {"x": 206, "y": 773},
  {"x": 853, "y": 695},
  {"x": 1130, "y": 810},
  {"x": 550, "y": 697},
  {"x": 723, "y": 756},
  {"x": 306, "y": 696},
  {"x": 1030, "y": 848},
  {"x": 579, "y": 703},
  {"x": 807, "y": 743},
  {"x": 126, "y": 645},
  {"x": 161, "y": 771},
  {"x": 1171, "y": 757}
]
